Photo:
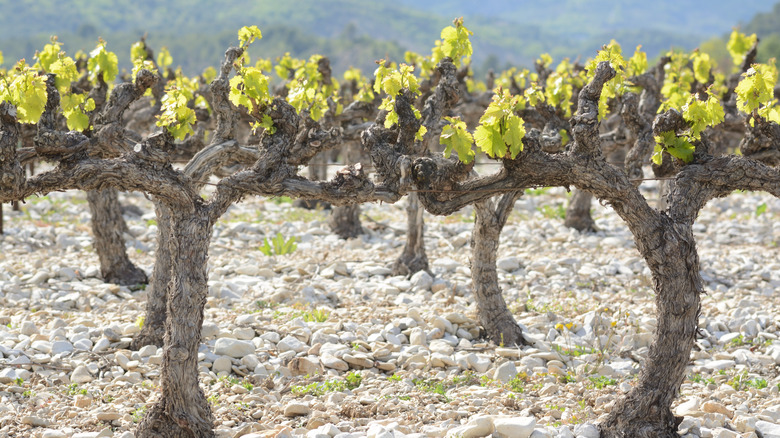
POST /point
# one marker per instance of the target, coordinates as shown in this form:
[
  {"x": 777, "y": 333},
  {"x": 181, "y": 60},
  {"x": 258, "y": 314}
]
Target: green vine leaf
[
  {"x": 455, "y": 136},
  {"x": 247, "y": 35},
  {"x": 102, "y": 62}
]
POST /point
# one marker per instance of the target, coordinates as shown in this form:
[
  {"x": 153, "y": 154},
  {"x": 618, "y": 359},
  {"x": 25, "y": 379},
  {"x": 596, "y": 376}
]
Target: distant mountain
[{"x": 357, "y": 32}]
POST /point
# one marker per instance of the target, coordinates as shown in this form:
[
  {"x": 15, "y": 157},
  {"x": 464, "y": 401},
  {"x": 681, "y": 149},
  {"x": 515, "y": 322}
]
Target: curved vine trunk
[
  {"x": 344, "y": 221},
  {"x": 107, "y": 228},
  {"x": 492, "y": 312},
  {"x": 413, "y": 258},
  {"x": 156, "y": 294},
  {"x": 645, "y": 411},
  {"x": 578, "y": 212},
  {"x": 182, "y": 410}
]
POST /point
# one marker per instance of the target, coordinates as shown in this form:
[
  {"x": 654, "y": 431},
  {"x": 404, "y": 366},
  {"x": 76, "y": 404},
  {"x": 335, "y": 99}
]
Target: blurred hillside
[{"x": 357, "y": 32}]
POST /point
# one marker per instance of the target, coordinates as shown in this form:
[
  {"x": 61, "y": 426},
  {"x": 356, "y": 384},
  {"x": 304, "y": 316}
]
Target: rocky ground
[{"x": 324, "y": 342}]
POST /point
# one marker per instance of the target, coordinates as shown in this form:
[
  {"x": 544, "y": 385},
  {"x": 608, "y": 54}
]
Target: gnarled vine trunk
[
  {"x": 413, "y": 257},
  {"x": 156, "y": 293},
  {"x": 492, "y": 311},
  {"x": 344, "y": 221},
  {"x": 645, "y": 411},
  {"x": 182, "y": 410},
  {"x": 107, "y": 229},
  {"x": 578, "y": 212}
]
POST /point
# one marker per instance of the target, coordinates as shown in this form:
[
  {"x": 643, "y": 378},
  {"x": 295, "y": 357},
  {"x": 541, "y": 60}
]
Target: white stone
[
  {"x": 421, "y": 280},
  {"x": 767, "y": 429},
  {"x": 296, "y": 408},
  {"x": 515, "y": 427},
  {"x": 209, "y": 329},
  {"x": 331, "y": 361},
  {"x": 586, "y": 431},
  {"x": 291, "y": 343},
  {"x": 689, "y": 408},
  {"x": 222, "y": 364},
  {"x": 508, "y": 264},
  {"x": 81, "y": 375},
  {"x": 28, "y": 328},
  {"x": 479, "y": 364},
  {"x": 506, "y": 372},
  {"x": 58, "y": 347},
  {"x": 233, "y": 347}
]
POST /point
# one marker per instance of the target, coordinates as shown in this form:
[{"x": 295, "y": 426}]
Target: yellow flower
[
  {"x": 559, "y": 326},
  {"x": 614, "y": 323},
  {"x": 569, "y": 325}
]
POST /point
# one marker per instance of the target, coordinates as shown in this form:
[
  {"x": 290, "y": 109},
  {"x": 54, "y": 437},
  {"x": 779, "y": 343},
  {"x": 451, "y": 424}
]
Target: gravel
[{"x": 324, "y": 342}]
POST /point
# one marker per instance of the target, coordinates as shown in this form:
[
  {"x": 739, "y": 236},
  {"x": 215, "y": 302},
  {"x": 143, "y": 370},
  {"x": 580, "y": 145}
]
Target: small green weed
[
  {"x": 139, "y": 322},
  {"x": 601, "y": 382},
  {"x": 432, "y": 386},
  {"x": 550, "y": 212},
  {"x": 138, "y": 414},
  {"x": 351, "y": 381},
  {"x": 73, "y": 389},
  {"x": 278, "y": 245},
  {"x": 394, "y": 378}
]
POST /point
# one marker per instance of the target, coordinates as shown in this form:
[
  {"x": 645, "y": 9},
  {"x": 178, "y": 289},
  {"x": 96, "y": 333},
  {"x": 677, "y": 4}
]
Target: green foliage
[
  {"x": 394, "y": 378},
  {"x": 309, "y": 91},
  {"x": 739, "y": 45},
  {"x": 455, "y": 43},
  {"x": 702, "y": 114},
  {"x": 250, "y": 89},
  {"x": 351, "y": 381},
  {"x": 761, "y": 209},
  {"x": 392, "y": 81},
  {"x": 138, "y": 413},
  {"x": 316, "y": 315},
  {"x": 138, "y": 52},
  {"x": 500, "y": 127},
  {"x": 176, "y": 116},
  {"x": 677, "y": 81},
  {"x": 164, "y": 59},
  {"x": 455, "y": 136},
  {"x": 611, "y": 53},
  {"x": 432, "y": 386},
  {"x": 601, "y": 382},
  {"x": 699, "y": 115},
  {"x": 755, "y": 92},
  {"x": 550, "y": 212},
  {"x": 139, "y": 321},
  {"x": 102, "y": 62},
  {"x": 365, "y": 92},
  {"x": 73, "y": 389},
  {"x": 65, "y": 69},
  {"x": 247, "y": 35},
  {"x": 75, "y": 108},
  {"x": 637, "y": 64},
  {"x": 559, "y": 87},
  {"x": 740, "y": 381},
  {"x": 702, "y": 65},
  {"x": 25, "y": 88},
  {"x": 278, "y": 245},
  {"x": 517, "y": 384}
]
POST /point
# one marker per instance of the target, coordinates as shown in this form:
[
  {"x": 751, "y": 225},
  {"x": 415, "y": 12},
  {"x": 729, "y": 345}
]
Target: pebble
[{"x": 233, "y": 347}]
